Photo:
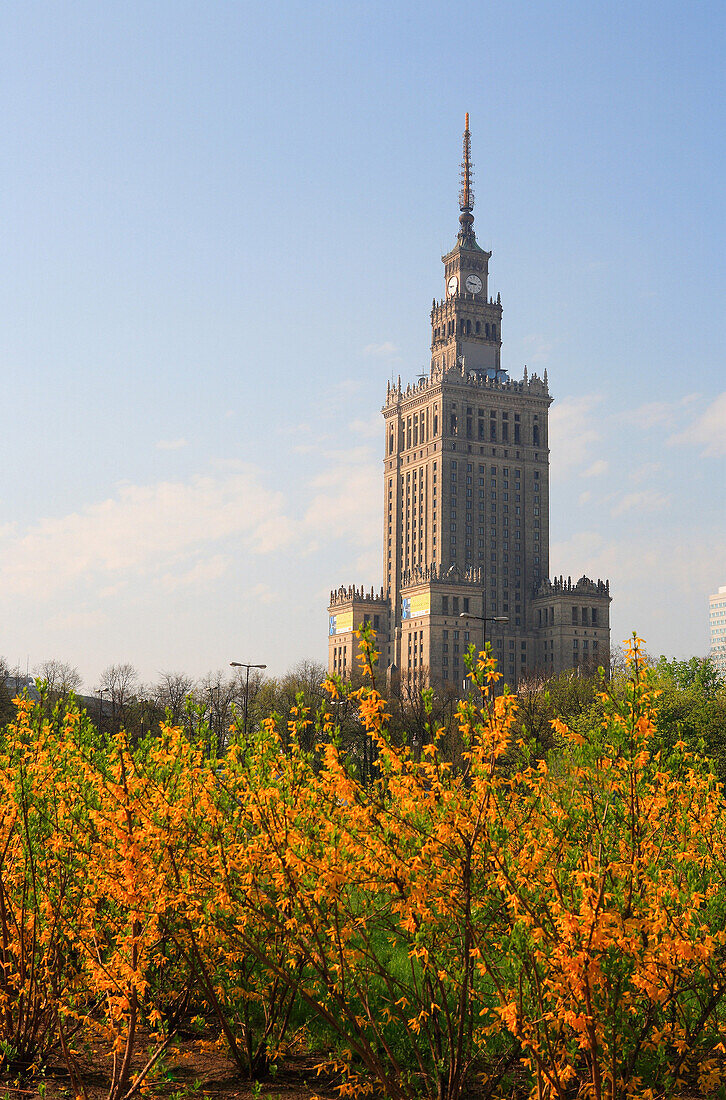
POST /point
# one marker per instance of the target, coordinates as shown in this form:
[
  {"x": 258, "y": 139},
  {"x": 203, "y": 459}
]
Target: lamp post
[
  {"x": 243, "y": 664},
  {"x": 484, "y": 619},
  {"x": 101, "y": 693}
]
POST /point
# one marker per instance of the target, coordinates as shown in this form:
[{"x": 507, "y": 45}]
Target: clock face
[
  {"x": 473, "y": 284},
  {"x": 453, "y": 285}
]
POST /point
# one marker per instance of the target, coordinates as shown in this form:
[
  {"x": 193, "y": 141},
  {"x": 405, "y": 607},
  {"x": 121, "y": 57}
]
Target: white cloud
[
  {"x": 653, "y": 578},
  {"x": 263, "y": 594},
  {"x": 174, "y": 533},
  {"x": 347, "y": 501},
  {"x": 347, "y": 387},
  {"x": 237, "y": 465},
  {"x": 143, "y": 530},
  {"x": 580, "y": 554},
  {"x": 537, "y": 348},
  {"x": 273, "y": 533},
  {"x": 666, "y": 414},
  {"x": 368, "y": 429},
  {"x": 642, "y": 501},
  {"x": 202, "y": 572},
  {"x": 573, "y": 434},
  {"x": 650, "y": 415},
  {"x": 171, "y": 444},
  {"x": 381, "y": 351},
  {"x": 76, "y": 620},
  {"x": 598, "y": 468},
  {"x": 707, "y": 431},
  {"x": 643, "y": 472},
  {"x": 585, "y": 497},
  {"x": 642, "y": 569},
  {"x": 368, "y": 567}
]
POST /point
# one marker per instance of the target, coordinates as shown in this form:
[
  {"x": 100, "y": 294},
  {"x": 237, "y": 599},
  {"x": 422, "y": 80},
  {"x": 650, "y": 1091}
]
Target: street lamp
[
  {"x": 243, "y": 664},
  {"x": 101, "y": 693},
  {"x": 484, "y": 619}
]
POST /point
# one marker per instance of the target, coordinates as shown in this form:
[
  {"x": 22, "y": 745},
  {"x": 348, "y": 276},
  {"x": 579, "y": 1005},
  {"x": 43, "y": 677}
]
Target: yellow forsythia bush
[{"x": 528, "y": 928}]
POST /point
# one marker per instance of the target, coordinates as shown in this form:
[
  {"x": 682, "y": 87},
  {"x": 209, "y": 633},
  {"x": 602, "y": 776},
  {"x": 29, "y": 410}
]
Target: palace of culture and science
[{"x": 466, "y": 507}]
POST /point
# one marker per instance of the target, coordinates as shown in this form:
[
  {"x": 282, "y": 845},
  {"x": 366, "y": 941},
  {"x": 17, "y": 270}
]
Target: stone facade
[{"x": 466, "y": 507}]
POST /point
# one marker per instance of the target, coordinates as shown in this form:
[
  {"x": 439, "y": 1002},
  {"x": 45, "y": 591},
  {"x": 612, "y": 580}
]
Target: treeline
[
  {"x": 208, "y": 706},
  {"x": 500, "y": 921},
  {"x": 690, "y": 702}
]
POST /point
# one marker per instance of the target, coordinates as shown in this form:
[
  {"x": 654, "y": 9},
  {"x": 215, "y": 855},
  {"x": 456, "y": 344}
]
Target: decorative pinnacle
[{"x": 466, "y": 195}]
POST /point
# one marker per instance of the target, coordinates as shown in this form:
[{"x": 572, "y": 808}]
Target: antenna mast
[{"x": 466, "y": 195}]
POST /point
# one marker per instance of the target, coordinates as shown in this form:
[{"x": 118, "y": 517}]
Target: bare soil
[{"x": 189, "y": 1069}]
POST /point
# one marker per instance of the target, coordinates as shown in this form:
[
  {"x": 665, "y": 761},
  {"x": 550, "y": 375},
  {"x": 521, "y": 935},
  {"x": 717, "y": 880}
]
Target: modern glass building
[{"x": 717, "y": 623}]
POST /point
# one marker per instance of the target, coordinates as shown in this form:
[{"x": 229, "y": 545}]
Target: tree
[
  {"x": 417, "y": 709},
  {"x": 119, "y": 683},
  {"x": 170, "y": 695},
  {"x": 699, "y": 673},
  {"x": 691, "y": 706},
  {"x": 302, "y": 685},
  {"x": 216, "y": 696},
  {"x": 6, "y": 705},
  {"x": 60, "y": 679},
  {"x": 540, "y": 699}
]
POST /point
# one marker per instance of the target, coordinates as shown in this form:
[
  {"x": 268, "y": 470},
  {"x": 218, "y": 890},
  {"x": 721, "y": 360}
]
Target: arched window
[
  {"x": 535, "y": 435},
  {"x": 486, "y": 329}
]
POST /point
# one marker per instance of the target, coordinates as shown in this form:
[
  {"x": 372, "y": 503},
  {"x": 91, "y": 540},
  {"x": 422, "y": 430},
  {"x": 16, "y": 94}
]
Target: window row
[{"x": 467, "y": 327}]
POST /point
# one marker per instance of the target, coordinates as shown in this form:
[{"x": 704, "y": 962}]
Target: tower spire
[{"x": 466, "y": 195}]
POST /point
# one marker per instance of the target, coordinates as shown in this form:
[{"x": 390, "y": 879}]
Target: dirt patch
[{"x": 189, "y": 1068}]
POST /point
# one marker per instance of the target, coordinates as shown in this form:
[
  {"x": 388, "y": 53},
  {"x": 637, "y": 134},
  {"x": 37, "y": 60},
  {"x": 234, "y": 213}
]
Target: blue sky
[{"x": 222, "y": 226}]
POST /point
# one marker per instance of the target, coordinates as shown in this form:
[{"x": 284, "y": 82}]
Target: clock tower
[{"x": 466, "y": 322}]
